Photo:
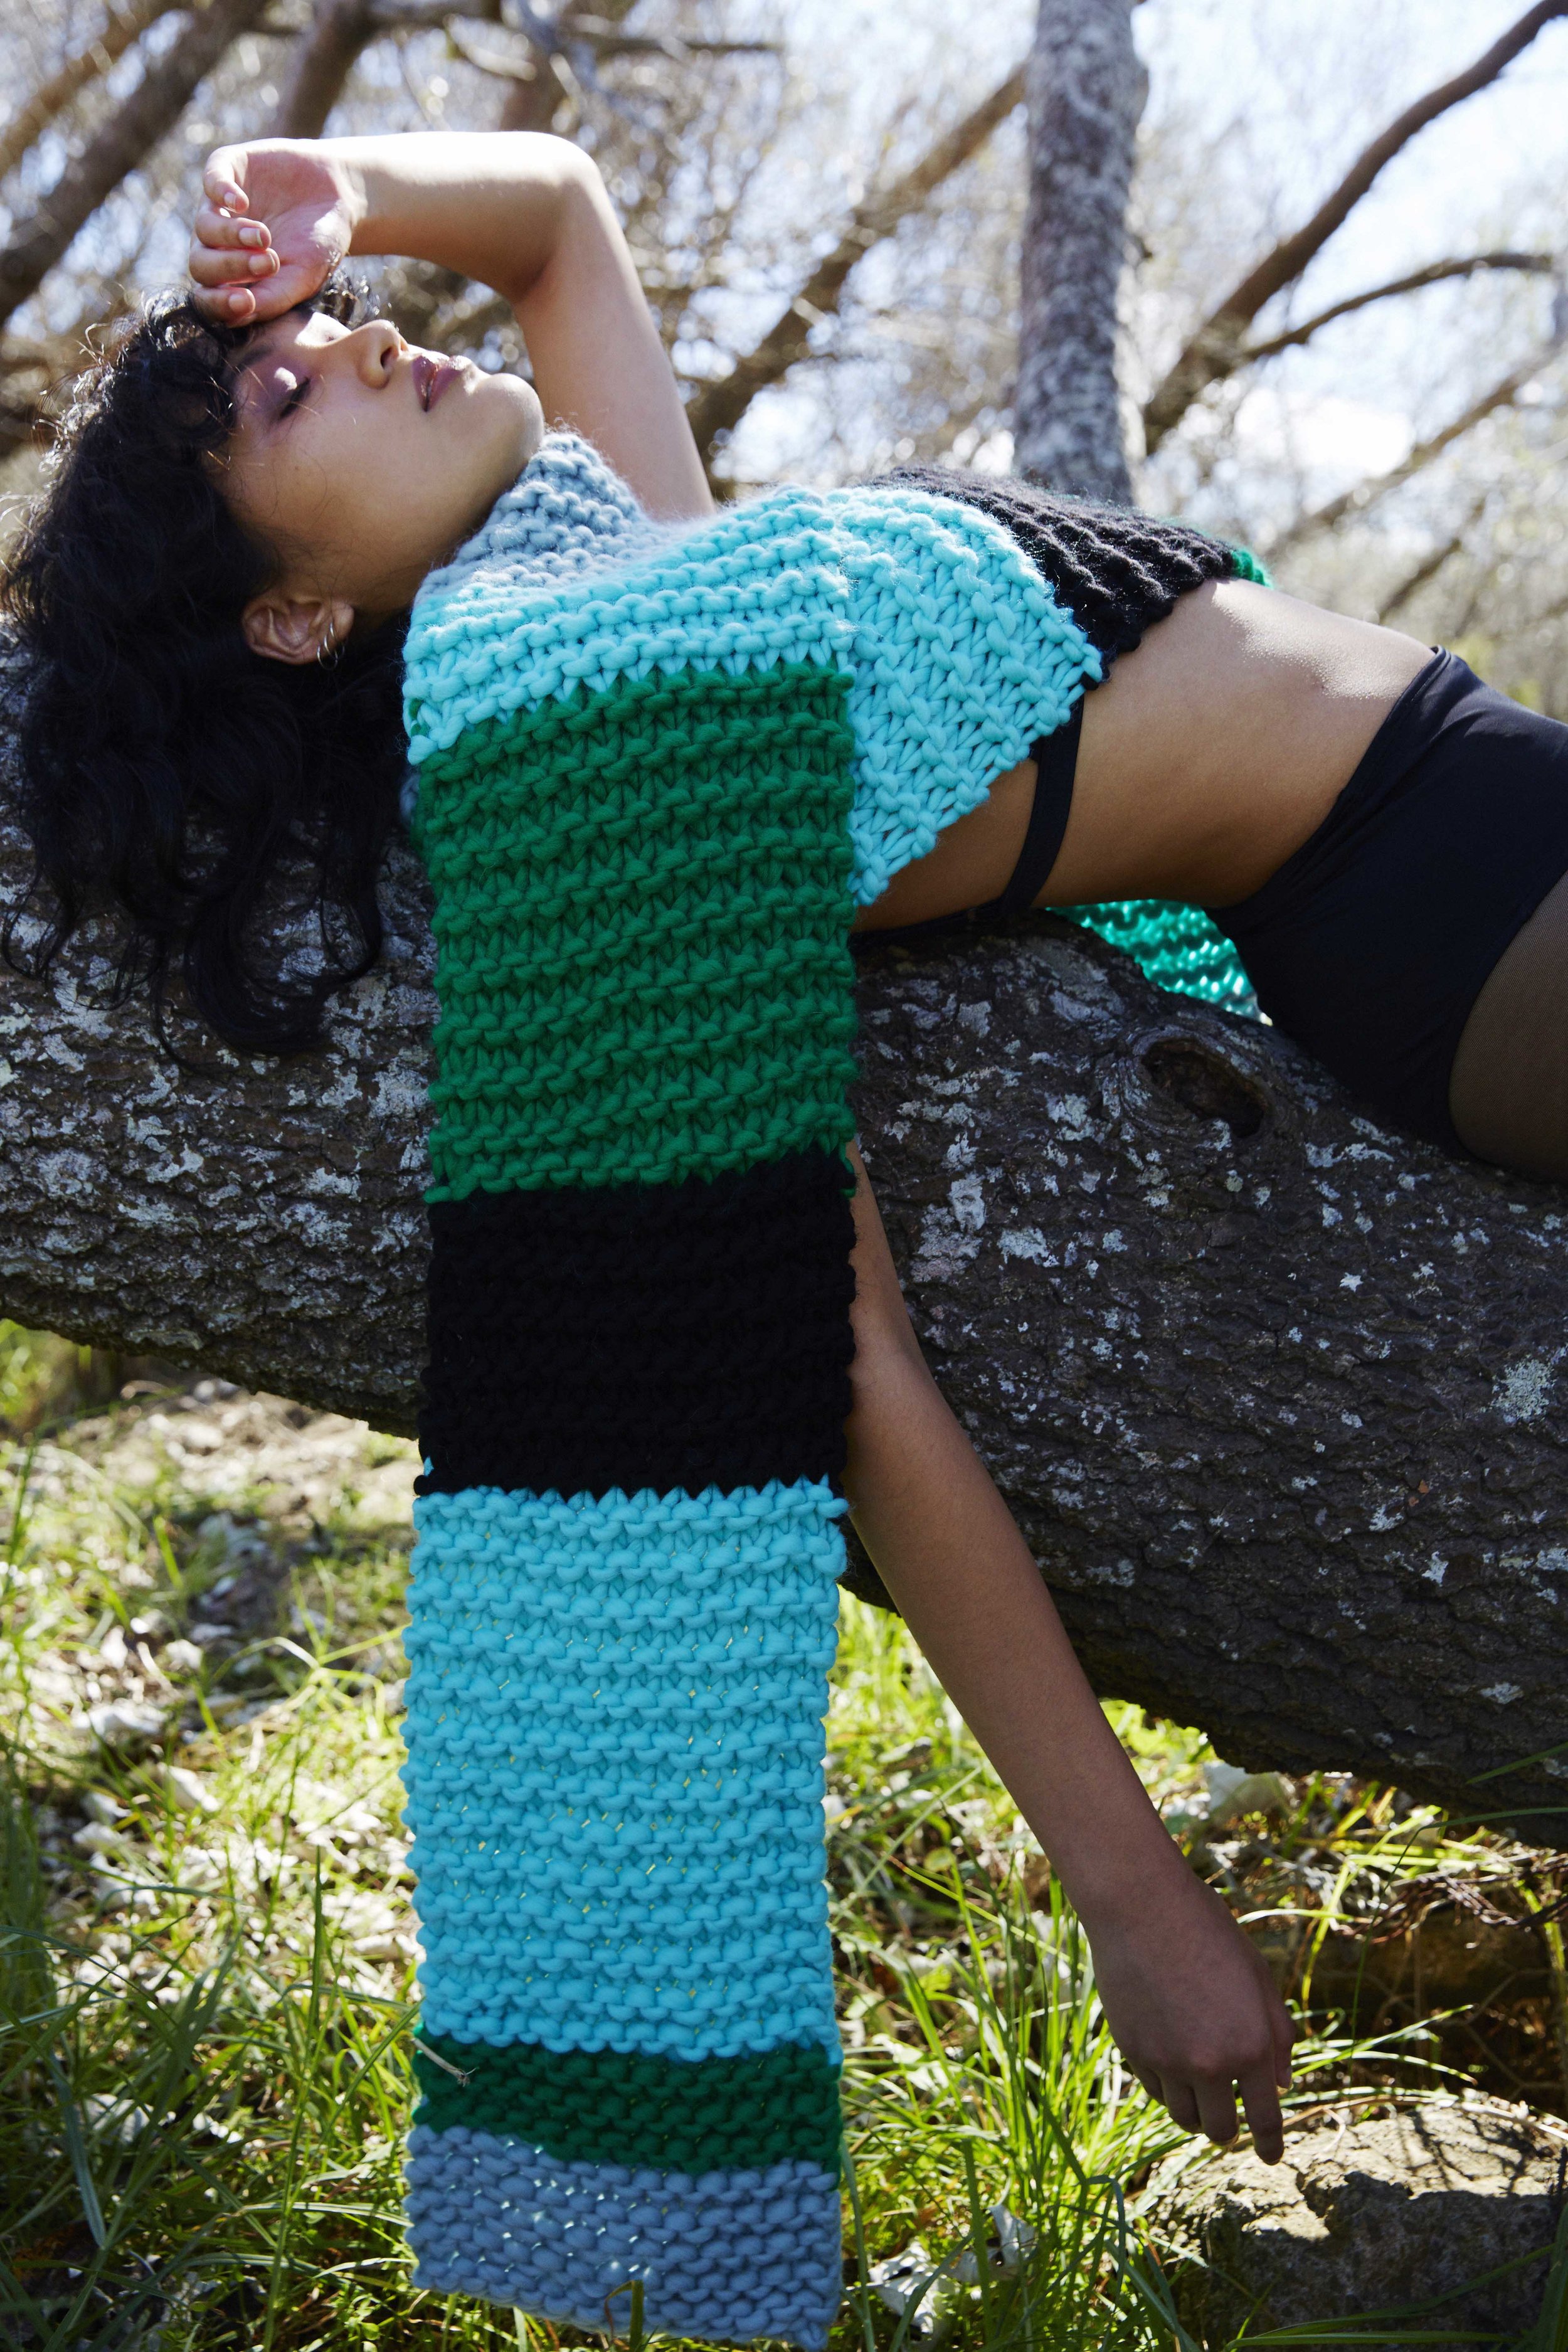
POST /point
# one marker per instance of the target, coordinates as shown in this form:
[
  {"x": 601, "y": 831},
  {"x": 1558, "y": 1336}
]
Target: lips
[{"x": 431, "y": 378}]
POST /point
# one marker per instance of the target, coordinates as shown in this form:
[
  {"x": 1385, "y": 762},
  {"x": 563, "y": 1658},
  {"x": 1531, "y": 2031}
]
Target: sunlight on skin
[{"x": 330, "y": 418}]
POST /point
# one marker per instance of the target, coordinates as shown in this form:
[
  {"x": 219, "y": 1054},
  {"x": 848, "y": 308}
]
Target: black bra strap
[{"x": 1055, "y": 764}]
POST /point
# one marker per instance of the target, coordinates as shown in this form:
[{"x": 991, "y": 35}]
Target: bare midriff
[{"x": 1213, "y": 752}]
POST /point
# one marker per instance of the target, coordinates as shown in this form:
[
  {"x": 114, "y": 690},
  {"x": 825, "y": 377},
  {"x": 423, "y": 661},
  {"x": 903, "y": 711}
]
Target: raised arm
[
  {"x": 518, "y": 210},
  {"x": 1190, "y": 2002}
]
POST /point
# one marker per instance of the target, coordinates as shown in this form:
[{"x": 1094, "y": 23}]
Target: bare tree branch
[
  {"x": 324, "y": 57},
  {"x": 525, "y": 67},
  {"x": 131, "y": 132},
  {"x": 719, "y": 407},
  {"x": 1434, "y": 274},
  {"x": 52, "y": 97},
  {"x": 1431, "y": 563},
  {"x": 533, "y": 104},
  {"x": 678, "y": 46},
  {"x": 1378, "y": 486},
  {"x": 1216, "y": 351},
  {"x": 1277, "y": 1395}
]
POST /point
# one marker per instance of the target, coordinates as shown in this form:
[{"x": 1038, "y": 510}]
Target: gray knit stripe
[{"x": 732, "y": 2255}]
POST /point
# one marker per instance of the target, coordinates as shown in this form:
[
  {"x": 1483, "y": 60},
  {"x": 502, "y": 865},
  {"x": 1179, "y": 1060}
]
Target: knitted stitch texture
[
  {"x": 954, "y": 654},
  {"x": 657, "y": 766},
  {"x": 691, "y": 1335},
  {"x": 1118, "y": 571}
]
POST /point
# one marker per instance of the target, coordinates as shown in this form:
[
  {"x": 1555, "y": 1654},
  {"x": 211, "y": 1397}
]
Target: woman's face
[{"x": 364, "y": 462}]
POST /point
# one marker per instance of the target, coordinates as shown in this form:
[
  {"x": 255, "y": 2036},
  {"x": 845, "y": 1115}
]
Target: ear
[{"x": 295, "y": 628}]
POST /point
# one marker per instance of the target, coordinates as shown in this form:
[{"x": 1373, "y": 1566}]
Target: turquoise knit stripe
[
  {"x": 1176, "y": 946},
  {"x": 957, "y": 655},
  {"x": 614, "y": 1733},
  {"x": 724, "y": 2255}
]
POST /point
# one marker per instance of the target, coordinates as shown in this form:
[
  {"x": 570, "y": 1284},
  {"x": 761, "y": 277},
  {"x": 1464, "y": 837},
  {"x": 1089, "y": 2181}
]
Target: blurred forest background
[{"x": 826, "y": 205}]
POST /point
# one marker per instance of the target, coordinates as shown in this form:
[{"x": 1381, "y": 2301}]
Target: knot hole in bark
[{"x": 1204, "y": 1083}]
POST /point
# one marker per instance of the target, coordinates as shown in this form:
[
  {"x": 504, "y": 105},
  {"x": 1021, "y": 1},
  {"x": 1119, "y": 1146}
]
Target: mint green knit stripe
[{"x": 642, "y": 925}]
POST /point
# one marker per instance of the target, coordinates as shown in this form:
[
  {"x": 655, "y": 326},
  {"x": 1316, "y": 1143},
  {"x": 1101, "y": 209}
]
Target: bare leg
[{"x": 1508, "y": 1092}]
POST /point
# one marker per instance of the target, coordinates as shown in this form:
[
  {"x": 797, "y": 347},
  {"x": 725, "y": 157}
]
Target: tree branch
[
  {"x": 525, "y": 67},
  {"x": 130, "y": 134},
  {"x": 52, "y": 97},
  {"x": 1277, "y": 1396},
  {"x": 535, "y": 104},
  {"x": 1216, "y": 351},
  {"x": 719, "y": 407},
  {"x": 324, "y": 57},
  {"x": 1434, "y": 274},
  {"x": 1378, "y": 486},
  {"x": 1431, "y": 563}
]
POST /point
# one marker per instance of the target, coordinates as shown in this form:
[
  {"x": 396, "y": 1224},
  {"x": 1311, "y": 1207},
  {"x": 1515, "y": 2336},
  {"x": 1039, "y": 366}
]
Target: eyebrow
[
  {"x": 258, "y": 355},
  {"x": 248, "y": 398}
]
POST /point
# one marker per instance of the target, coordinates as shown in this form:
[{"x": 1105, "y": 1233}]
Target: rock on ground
[{"x": 1367, "y": 2218}]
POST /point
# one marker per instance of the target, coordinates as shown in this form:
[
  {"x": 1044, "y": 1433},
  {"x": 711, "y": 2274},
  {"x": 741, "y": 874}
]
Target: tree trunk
[
  {"x": 1277, "y": 1396},
  {"x": 1086, "y": 92}
]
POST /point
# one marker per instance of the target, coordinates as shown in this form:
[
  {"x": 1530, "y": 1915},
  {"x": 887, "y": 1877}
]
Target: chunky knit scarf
[{"x": 657, "y": 768}]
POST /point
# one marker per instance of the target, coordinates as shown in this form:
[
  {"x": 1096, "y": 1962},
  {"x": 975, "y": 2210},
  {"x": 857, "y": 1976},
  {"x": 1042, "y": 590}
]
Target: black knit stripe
[
  {"x": 676, "y": 1335},
  {"x": 1116, "y": 570}
]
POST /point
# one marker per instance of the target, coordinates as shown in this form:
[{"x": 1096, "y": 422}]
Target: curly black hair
[{"x": 167, "y": 772}]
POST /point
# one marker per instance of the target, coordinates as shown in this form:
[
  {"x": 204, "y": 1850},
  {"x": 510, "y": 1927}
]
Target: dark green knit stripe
[
  {"x": 695, "y": 2115},
  {"x": 642, "y": 918}
]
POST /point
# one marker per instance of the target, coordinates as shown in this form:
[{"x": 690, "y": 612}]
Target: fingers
[
  {"x": 231, "y": 258},
  {"x": 245, "y": 306},
  {"x": 220, "y": 295},
  {"x": 1260, "y": 2097},
  {"x": 1207, "y": 2104},
  {"x": 1181, "y": 2098},
  {"x": 231, "y": 263},
  {"x": 1217, "y": 2117},
  {"x": 223, "y": 178},
  {"x": 224, "y": 231}
]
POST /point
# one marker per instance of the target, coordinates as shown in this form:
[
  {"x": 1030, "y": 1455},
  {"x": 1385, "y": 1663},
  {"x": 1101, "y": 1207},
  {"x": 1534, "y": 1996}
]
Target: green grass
[{"x": 207, "y": 1944}]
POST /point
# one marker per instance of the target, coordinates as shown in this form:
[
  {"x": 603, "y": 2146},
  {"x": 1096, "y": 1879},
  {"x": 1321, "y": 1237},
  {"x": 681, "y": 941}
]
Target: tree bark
[
  {"x": 1086, "y": 92},
  {"x": 1280, "y": 1398},
  {"x": 130, "y": 134}
]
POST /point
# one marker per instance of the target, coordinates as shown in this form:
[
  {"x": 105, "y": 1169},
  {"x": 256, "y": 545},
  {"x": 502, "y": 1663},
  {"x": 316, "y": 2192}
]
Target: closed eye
[{"x": 296, "y": 396}]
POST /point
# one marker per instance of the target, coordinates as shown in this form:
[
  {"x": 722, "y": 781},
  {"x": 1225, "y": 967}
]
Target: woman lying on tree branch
[{"x": 662, "y": 761}]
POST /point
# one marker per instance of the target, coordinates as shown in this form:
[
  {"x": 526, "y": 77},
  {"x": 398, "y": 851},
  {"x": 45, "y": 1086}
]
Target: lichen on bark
[{"x": 1278, "y": 1397}]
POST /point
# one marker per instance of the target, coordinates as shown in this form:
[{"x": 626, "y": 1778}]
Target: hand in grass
[
  {"x": 276, "y": 218},
  {"x": 1194, "y": 2013}
]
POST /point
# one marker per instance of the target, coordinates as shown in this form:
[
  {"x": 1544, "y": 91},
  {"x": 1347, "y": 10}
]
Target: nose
[{"x": 376, "y": 348}]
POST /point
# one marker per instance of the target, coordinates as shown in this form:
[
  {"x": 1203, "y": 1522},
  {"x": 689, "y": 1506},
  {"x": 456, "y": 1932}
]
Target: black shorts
[{"x": 1370, "y": 944}]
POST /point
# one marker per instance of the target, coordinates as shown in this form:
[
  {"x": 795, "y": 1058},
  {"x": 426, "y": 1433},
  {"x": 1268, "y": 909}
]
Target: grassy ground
[{"x": 207, "y": 1945}]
